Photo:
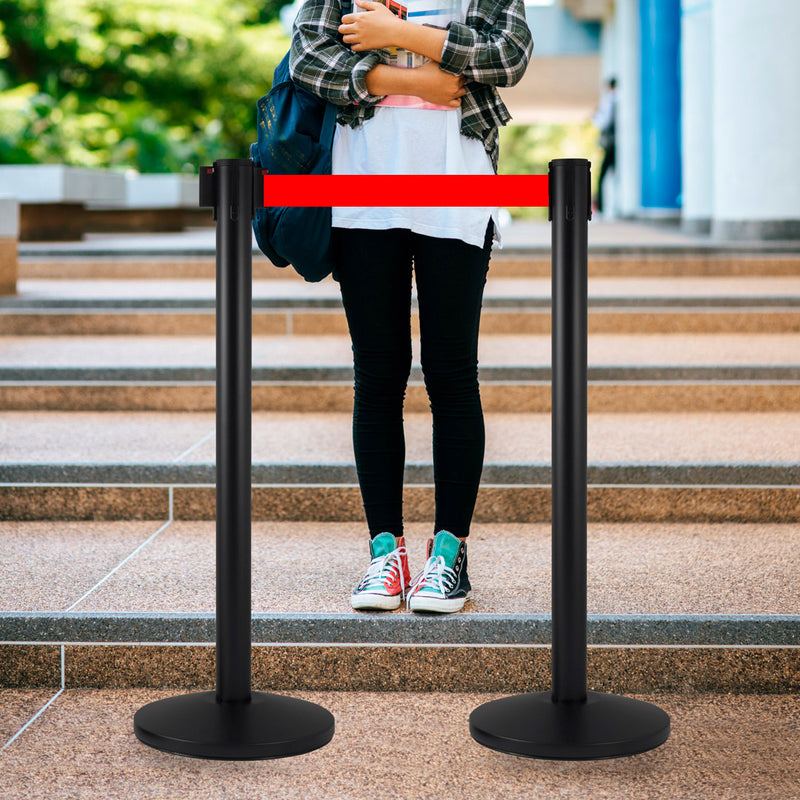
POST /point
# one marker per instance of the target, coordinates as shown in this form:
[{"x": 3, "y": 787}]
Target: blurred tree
[
  {"x": 159, "y": 86},
  {"x": 528, "y": 149}
]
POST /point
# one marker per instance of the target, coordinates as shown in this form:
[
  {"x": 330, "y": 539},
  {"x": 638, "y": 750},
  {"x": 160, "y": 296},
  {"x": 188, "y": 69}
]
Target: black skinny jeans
[{"x": 374, "y": 274}]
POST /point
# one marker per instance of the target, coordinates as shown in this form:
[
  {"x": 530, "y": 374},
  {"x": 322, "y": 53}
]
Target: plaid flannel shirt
[{"x": 492, "y": 48}]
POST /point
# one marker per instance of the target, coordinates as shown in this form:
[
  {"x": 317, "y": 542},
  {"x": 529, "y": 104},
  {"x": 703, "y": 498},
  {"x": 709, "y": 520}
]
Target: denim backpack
[{"x": 295, "y": 137}]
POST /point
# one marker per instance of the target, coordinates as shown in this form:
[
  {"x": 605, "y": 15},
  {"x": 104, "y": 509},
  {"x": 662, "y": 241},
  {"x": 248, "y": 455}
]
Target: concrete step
[
  {"x": 719, "y": 747},
  {"x": 648, "y": 466},
  {"x": 615, "y": 248},
  {"x": 53, "y": 265},
  {"x": 501, "y": 292},
  {"x": 713, "y": 372},
  {"x": 680, "y": 604},
  {"x": 636, "y": 305},
  {"x": 506, "y": 264}
]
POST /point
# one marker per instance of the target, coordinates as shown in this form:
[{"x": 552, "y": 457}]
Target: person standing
[
  {"x": 414, "y": 99},
  {"x": 605, "y": 120}
]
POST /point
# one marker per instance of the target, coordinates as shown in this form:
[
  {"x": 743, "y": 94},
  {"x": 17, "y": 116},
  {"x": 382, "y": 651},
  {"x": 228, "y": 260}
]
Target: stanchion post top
[{"x": 573, "y": 165}]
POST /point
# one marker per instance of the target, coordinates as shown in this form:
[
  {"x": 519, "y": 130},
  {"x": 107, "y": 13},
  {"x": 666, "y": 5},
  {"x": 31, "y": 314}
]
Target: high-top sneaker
[
  {"x": 384, "y": 585},
  {"x": 443, "y": 584}
]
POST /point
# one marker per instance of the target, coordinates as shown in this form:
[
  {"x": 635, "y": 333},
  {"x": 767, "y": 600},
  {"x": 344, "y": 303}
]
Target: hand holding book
[
  {"x": 410, "y": 76},
  {"x": 376, "y": 27}
]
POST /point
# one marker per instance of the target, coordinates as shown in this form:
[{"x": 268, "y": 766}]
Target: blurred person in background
[{"x": 604, "y": 118}]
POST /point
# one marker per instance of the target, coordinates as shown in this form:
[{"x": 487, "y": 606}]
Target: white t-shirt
[{"x": 408, "y": 137}]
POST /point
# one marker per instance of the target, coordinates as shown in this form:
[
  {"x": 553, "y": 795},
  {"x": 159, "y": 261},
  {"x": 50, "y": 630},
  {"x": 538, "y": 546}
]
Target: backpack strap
[
  {"x": 328, "y": 125},
  {"x": 329, "y": 119}
]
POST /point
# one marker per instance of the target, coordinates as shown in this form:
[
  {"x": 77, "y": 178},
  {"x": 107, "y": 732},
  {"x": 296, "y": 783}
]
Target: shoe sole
[
  {"x": 438, "y": 604},
  {"x": 374, "y": 602}
]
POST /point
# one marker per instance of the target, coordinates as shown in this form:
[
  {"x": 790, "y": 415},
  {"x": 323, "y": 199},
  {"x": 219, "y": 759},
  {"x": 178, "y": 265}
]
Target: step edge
[{"x": 728, "y": 630}]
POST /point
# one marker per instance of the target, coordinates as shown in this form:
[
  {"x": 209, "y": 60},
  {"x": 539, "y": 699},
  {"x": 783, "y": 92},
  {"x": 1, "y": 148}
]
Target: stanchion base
[
  {"x": 269, "y": 726},
  {"x": 605, "y": 726}
]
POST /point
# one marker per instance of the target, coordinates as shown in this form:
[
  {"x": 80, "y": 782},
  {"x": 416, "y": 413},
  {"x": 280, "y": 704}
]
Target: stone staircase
[{"x": 107, "y": 483}]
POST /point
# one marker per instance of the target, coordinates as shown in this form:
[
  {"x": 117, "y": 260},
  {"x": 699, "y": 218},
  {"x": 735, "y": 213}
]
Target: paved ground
[
  {"x": 517, "y": 234},
  {"x": 335, "y": 351},
  {"x": 402, "y": 746},
  {"x": 523, "y": 233},
  {"x": 644, "y": 568},
  {"x": 32, "y": 437}
]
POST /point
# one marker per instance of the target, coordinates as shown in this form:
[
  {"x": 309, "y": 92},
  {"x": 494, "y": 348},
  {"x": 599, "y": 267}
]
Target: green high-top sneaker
[{"x": 443, "y": 584}]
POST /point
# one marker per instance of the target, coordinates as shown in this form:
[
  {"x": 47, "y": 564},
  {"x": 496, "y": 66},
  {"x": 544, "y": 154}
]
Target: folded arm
[
  {"x": 494, "y": 50},
  {"x": 498, "y": 53},
  {"x": 322, "y": 64}
]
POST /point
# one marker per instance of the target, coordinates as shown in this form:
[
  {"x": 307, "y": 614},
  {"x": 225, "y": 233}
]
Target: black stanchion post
[
  {"x": 234, "y": 184},
  {"x": 233, "y": 722},
  {"x": 569, "y": 722}
]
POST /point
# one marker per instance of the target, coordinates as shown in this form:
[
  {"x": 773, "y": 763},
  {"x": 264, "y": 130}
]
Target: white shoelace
[
  {"x": 381, "y": 568},
  {"x": 436, "y": 575}
]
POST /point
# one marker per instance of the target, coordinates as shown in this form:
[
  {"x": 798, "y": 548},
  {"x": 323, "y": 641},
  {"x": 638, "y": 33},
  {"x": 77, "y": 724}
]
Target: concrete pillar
[
  {"x": 629, "y": 159},
  {"x": 756, "y": 107},
  {"x": 661, "y": 102},
  {"x": 9, "y": 234},
  {"x": 696, "y": 116}
]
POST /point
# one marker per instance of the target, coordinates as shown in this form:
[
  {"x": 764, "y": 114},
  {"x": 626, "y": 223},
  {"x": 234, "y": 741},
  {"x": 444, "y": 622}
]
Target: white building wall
[
  {"x": 697, "y": 115},
  {"x": 628, "y": 108},
  {"x": 756, "y": 110}
]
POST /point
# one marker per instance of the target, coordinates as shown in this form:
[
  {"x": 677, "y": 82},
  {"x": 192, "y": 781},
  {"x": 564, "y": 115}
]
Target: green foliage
[
  {"x": 528, "y": 149},
  {"x": 158, "y": 86},
  {"x": 167, "y": 85}
]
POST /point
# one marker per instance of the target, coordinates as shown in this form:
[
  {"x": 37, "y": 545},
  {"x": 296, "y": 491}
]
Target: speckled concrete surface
[
  {"x": 166, "y": 288},
  {"x": 607, "y": 397},
  {"x": 721, "y": 747},
  {"x": 307, "y": 567},
  {"x": 532, "y": 350},
  {"x": 284, "y": 437},
  {"x": 518, "y": 438},
  {"x": 17, "y": 706},
  {"x": 81, "y": 323},
  {"x": 622, "y": 233},
  {"x": 343, "y": 503},
  {"x": 51, "y": 565},
  {"x": 84, "y": 502},
  {"x": 318, "y": 323},
  {"x": 535, "y": 263},
  {"x": 40, "y": 291},
  {"x": 425, "y": 668},
  {"x": 30, "y": 437},
  {"x": 8, "y": 265},
  {"x": 31, "y": 665}
]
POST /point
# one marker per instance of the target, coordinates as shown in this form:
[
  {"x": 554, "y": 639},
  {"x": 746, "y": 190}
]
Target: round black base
[
  {"x": 605, "y": 726},
  {"x": 269, "y": 726}
]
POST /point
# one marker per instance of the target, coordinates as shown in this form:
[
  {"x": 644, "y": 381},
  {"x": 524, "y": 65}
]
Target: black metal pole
[
  {"x": 569, "y": 230},
  {"x": 234, "y": 179},
  {"x": 569, "y": 722},
  {"x": 233, "y": 722}
]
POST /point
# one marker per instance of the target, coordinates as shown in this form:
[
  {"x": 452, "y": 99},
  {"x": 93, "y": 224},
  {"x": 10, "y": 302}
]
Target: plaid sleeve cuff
[
  {"x": 358, "y": 80},
  {"x": 458, "y": 48}
]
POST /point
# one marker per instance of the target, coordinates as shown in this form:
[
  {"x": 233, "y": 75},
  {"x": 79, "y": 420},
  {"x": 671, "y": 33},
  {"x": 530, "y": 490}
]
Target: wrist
[
  {"x": 400, "y": 34},
  {"x": 426, "y": 40},
  {"x": 383, "y": 79}
]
